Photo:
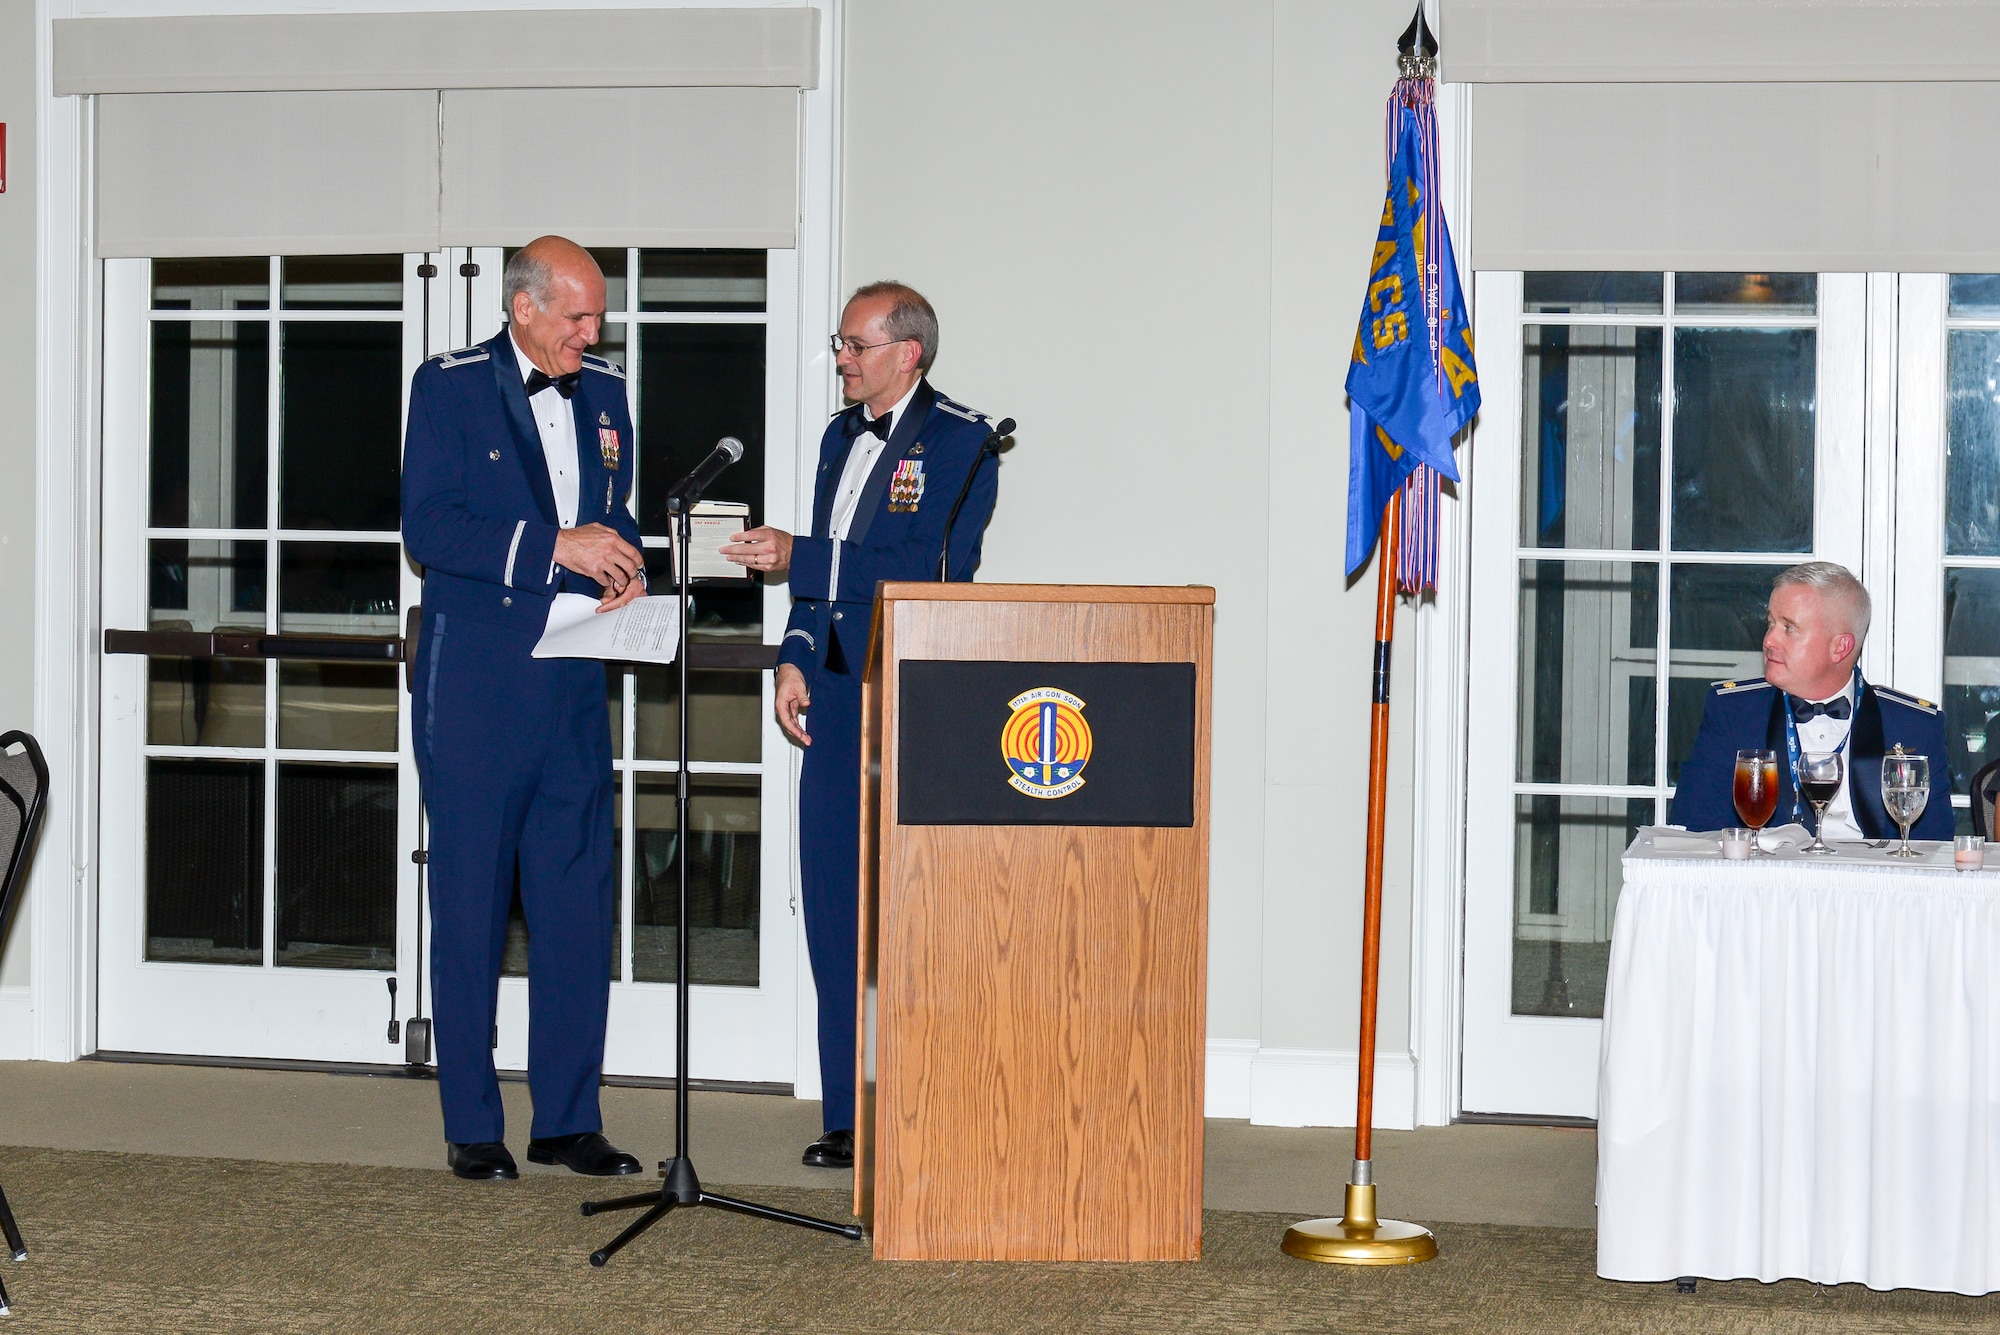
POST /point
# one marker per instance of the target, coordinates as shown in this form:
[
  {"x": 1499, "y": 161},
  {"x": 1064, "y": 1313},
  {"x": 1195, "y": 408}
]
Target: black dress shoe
[
  {"x": 835, "y": 1149},
  {"x": 586, "y": 1152},
  {"x": 481, "y": 1161}
]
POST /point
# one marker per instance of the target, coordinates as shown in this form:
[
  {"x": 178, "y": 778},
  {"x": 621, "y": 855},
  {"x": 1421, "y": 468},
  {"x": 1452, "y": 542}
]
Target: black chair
[
  {"x": 1985, "y": 787},
  {"x": 24, "y": 789}
]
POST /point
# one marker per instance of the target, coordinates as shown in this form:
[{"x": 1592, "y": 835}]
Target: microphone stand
[
  {"x": 682, "y": 1185},
  {"x": 991, "y": 445}
]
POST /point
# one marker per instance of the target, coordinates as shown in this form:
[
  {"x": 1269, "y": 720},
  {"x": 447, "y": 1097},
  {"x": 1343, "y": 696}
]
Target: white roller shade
[
  {"x": 1826, "y": 177},
  {"x": 1689, "y": 41},
  {"x": 266, "y": 173},
  {"x": 622, "y": 166}
]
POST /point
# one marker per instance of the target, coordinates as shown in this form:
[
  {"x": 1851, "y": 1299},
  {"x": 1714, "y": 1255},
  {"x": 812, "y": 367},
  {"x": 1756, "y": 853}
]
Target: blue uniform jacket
[
  {"x": 478, "y": 513},
  {"x": 1747, "y": 715},
  {"x": 897, "y": 530}
]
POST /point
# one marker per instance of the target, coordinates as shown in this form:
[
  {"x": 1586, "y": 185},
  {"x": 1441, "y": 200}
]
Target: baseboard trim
[
  {"x": 1306, "y": 1086},
  {"x": 17, "y": 1024}
]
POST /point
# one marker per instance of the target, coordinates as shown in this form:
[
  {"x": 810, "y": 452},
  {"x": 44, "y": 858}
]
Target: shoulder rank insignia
[
  {"x": 599, "y": 364},
  {"x": 906, "y": 487},
  {"x": 959, "y": 409},
  {"x": 1908, "y": 701},
  {"x": 1738, "y": 687},
  {"x": 463, "y": 357}
]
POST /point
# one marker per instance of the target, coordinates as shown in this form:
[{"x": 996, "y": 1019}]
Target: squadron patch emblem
[{"x": 1046, "y": 743}]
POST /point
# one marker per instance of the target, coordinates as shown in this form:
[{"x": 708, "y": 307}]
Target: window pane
[
  {"x": 725, "y": 829},
  {"x": 336, "y": 866},
  {"x": 343, "y": 426},
  {"x": 343, "y": 282},
  {"x": 1716, "y": 625},
  {"x": 210, "y": 415},
  {"x": 1587, "y": 671},
  {"x": 204, "y": 585},
  {"x": 728, "y": 718},
  {"x": 697, "y": 384},
  {"x": 205, "y": 861},
  {"x": 1743, "y": 439},
  {"x": 1972, "y": 456},
  {"x": 242, "y": 284},
  {"x": 1590, "y": 469},
  {"x": 1975, "y": 294},
  {"x": 1971, "y": 671},
  {"x": 338, "y": 588},
  {"x": 1592, "y": 293},
  {"x": 338, "y": 706},
  {"x": 1763, "y": 293},
  {"x": 701, "y": 280},
  {"x": 1567, "y": 876},
  {"x": 205, "y": 702}
]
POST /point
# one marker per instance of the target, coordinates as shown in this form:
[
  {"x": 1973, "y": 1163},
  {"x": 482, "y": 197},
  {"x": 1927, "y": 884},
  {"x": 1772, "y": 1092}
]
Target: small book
[{"x": 711, "y": 524}]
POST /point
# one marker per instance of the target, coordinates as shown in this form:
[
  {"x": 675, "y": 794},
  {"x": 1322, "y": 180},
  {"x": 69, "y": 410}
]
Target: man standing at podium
[{"x": 890, "y": 467}]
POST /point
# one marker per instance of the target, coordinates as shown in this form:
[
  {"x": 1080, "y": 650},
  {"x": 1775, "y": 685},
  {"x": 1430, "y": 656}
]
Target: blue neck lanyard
[{"x": 1792, "y": 742}]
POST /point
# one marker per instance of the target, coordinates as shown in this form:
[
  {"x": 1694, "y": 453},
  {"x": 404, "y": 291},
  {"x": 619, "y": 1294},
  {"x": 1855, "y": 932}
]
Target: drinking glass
[
  {"x": 1906, "y": 790},
  {"x": 1756, "y": 788},
  {"x": 1819, "y": 784}
]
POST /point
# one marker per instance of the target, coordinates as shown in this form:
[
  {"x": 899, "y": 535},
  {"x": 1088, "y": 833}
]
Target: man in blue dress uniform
[
  {"x": 1811, "y": 698},
  {"x": 516, "y": 467},
  {"x": 889, "y": 469}
]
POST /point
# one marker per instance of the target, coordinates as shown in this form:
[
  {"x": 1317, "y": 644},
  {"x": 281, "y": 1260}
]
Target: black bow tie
[
  {"x": 1838, "y": 707},
  {"x": 565, "y": 384},
  {"x": 878, "y": 427}
]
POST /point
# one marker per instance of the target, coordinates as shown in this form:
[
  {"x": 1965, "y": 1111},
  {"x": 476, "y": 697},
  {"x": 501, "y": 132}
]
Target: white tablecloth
[{"x": 1800, "y": 1073}]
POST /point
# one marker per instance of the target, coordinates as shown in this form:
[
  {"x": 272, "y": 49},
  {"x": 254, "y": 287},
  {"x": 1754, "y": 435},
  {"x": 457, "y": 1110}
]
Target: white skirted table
[{"x": 1800, "y": 1075}]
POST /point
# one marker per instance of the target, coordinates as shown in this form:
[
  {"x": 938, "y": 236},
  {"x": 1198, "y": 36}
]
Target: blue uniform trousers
[
  {"x": 515, "y": 757},
  {"x": 830, "y": 869}
]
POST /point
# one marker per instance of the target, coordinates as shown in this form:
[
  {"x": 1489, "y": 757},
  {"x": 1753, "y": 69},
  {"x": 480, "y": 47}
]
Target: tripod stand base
[{"x": 683, "y": 1187}]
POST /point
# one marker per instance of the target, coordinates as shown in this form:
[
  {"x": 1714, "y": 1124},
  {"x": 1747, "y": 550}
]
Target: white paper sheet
[{"x": 645, "y": 630}]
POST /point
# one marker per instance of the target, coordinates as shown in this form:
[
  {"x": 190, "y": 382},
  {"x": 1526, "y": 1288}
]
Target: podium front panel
[{"x": 1037, "y": 988}]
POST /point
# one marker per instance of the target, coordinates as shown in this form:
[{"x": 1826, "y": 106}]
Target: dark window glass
[
  {"x": 1971, "y": 671},
  {"x": 728, "y": 718},
  {"x": 697, "y": 384},
  {"x": 336, "y": 866},
  {"x": 1975, "y": 294},
  {"x": 1769, "y": 293},
  {"x": 1567, "y": 853},
  {"x": 209, "y": 429},
  {"x": 701, "y": 280},
  {"x": 240, "y": 284},
  {"x": 1744, "y": 407},
  {"x": 343, "y": 411},
  {"x": 1972, "y": 459},
  {"x": 343, "y": 283},
  {"x": 338, "y": 706},
  {"x": 724, "y": 862},
  {"x": 1584, "y": 293},
  {"x": 204, "y": 585},
  {"x": 205, "y": 702},
  {"x": 205, "y": 861},
  {"x": 1717, "y": 628},
  {"x": 1590, "y": 462},
  {"x": 338, "y": 588},
  {"x": 1587, "y": 631}
]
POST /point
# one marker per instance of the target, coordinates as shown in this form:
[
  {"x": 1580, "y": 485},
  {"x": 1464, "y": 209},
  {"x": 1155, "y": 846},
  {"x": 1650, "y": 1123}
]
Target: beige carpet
[{"x": 131, "y": 1242}]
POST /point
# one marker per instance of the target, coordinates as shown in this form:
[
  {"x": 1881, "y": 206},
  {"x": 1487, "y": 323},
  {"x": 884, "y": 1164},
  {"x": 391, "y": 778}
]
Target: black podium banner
[{"x": 983, "y": 743}]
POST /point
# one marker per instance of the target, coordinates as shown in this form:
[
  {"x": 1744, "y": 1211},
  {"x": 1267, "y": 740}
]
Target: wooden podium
[{"x": 1032, "y": 991}]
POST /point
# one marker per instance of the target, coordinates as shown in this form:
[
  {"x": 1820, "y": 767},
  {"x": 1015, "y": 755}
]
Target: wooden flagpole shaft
[
  {"x": 1358, "y": 1236},
  {"x": 1378, "y": 806}
]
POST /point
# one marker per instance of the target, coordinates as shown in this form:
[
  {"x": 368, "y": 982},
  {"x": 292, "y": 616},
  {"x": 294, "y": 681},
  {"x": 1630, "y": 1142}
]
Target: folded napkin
[{"x": 1668, "y": 840}]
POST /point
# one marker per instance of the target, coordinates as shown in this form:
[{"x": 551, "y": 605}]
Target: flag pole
[{"x": 1358, "y": 1237}]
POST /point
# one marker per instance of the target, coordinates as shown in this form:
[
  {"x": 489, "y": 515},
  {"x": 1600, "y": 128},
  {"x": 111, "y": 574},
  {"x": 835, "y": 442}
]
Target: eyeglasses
[{"x": 836, "y": 343}]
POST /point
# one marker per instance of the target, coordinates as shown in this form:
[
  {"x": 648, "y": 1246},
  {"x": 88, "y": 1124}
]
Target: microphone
[
  {"x": 991, "y": 445},
  {"x": 689, "y": 489}
]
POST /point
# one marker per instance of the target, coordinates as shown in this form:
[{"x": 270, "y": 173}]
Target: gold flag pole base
[{"x": 1359, "y": 1238}]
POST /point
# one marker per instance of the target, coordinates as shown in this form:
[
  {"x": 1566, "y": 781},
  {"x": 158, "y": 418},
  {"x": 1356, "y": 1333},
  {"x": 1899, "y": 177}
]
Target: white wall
[
  {"x": 1146, "y": 231},
  {"x": 17, "y": 409}
]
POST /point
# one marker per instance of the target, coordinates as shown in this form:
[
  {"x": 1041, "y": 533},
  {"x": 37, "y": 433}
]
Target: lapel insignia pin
[
  {"x": 604, "y": 419},
  {"x": 917, "y": 448},
  {"x": 494, "y": 455}
]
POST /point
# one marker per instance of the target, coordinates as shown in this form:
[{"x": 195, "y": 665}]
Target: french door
[{"x": 260, "y": 802}]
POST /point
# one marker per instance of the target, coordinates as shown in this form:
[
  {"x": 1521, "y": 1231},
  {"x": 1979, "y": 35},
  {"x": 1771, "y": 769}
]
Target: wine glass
[
  {"x": 1819, "y": 784},
  {"x": 1756, "y": 790},
  {"x": 1906, "y": 790}
]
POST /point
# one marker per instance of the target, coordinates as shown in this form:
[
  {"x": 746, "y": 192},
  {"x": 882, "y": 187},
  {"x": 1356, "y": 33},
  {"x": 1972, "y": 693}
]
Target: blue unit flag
[{"x": 1411, "y": 380}]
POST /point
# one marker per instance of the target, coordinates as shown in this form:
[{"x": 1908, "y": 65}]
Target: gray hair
[
  {"x": 910, "y": 317},
  {"x": 528, "y": 272},
  {"x": 1835, "y": 583}
]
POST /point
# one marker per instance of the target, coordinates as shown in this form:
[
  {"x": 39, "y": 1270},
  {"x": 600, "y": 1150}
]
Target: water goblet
[{"x": 1906, "y": 790}]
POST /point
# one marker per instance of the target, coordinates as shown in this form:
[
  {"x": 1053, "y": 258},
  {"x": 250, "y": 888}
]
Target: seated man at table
[{"x": 1811, "y": 698}]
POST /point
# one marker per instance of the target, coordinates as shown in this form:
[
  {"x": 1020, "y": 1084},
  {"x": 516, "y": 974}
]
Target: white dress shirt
[
  {"x": 556, "y": 423},
  {"x": 861, "y": 457},
  {"x": 1821, "y": 733}
]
